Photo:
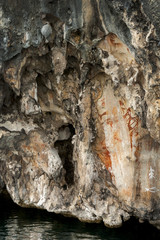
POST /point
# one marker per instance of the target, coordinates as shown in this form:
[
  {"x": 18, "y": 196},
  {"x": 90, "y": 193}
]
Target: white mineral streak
[
  {"x": 3, "y": 20},
  {"x": 18, "y": 125},
  {"x": 64, "y": 133},
  {"x": 46, "y": 30},
  {"x": 54, "y": 163}
]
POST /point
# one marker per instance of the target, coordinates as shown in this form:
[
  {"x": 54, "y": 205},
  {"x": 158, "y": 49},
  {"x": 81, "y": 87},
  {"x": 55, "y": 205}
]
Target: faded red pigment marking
[
  {"x": 101, "y": 115},
  {"x": 103, "y": 102},
  {"x": 132, "y": 122},
  {"x": 115, "y": 114},
  {"x": 137, "y": 152},
  {"x": 116, "y": 137},
  {"x": 101, "y": 149},
  {"x": 109, "y": 122},
  {"x": 104, "y": 155}
]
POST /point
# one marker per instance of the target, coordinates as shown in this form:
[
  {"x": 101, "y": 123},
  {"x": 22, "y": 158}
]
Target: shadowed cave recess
[
  {"x": 80, "y": 108},
  {"x": 65, "y": 151}
]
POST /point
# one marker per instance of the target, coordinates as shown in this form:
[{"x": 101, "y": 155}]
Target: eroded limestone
[{"x": 80, "y": 108}]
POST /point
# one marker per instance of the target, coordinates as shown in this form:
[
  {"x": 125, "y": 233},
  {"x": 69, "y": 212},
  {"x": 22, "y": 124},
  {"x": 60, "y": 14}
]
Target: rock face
[{"x": 80, "y": 107}]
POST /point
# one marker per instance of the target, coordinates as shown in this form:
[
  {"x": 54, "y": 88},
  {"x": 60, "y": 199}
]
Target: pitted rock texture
[{"x": 80, "y": 107}]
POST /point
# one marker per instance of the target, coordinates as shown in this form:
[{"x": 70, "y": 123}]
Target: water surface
[{"x": 19, "y": 223}]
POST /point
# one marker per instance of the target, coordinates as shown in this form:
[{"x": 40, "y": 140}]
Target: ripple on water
[{"x": 31, "y": 224}]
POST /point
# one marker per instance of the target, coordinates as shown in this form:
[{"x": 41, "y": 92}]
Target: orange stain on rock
[
  {"x": 118, "y": 49},
  {"x": 116, "y": 137},
  {"x": 113, "y": 40},
  {"x": 114, "y": 111},
  {"x": 37, "y": 152}
]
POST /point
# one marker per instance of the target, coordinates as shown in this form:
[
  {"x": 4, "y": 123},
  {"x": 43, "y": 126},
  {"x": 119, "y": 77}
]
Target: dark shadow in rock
[
  {"x": 65, "y": 150},
  {"x": 8, "y": 99}
]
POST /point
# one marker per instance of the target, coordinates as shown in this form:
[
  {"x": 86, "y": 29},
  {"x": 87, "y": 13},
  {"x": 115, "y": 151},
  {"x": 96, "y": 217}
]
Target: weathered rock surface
[{"x": 80, "y": 107}]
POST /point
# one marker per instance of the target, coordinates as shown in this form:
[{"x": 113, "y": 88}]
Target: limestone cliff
[{"x": 80, "y": 107}]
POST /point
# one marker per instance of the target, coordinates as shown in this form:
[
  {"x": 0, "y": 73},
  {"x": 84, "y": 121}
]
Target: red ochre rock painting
[
  {"x": 117, "y": 142},
  {"x": 132, "y": 122},
  {"x": 104, "y": 155}
]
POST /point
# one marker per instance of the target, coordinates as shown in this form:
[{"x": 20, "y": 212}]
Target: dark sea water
[{"x": 19, "y": 223}]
